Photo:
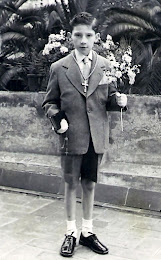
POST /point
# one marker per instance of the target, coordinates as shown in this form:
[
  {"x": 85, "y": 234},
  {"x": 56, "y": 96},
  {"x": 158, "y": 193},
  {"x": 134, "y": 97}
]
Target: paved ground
[{"x": 32, "y": 227}]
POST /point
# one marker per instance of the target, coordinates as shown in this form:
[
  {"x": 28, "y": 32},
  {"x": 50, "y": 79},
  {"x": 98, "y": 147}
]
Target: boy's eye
[
  {"x": 89, "y": 35},
  {"x": 78, "y": 34}
]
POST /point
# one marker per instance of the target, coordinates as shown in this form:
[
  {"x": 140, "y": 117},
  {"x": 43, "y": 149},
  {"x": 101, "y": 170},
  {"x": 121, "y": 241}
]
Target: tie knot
[{"x": 86, "y": 60}]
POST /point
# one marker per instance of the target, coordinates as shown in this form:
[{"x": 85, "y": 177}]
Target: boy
[{"x": 78, "y": 95}]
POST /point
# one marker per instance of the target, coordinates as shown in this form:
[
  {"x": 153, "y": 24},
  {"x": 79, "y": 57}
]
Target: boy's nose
[{"x": 84, "y": 39}]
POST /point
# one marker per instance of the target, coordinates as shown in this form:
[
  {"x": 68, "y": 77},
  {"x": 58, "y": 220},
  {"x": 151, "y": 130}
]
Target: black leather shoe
[
  {"x": 67, "y": 248},
  {"x": 93, "y": 243}
]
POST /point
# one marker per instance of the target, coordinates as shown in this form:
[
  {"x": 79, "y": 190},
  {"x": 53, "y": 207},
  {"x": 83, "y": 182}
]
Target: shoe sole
[
  {"x": 94, "y": 250},
  {"x": 66, "y": 255}
]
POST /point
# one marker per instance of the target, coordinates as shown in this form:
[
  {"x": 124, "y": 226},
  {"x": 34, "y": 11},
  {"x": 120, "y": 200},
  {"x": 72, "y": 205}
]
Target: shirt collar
[{"x": 80, "y": 56}]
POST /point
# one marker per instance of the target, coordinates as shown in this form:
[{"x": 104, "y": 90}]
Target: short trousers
[{"x": 84, "y": 166}]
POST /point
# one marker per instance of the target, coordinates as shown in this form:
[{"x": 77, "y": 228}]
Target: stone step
[
  {"x": 122, "y": 156},
  {"x": 135, "y": 169},
  {"x": 30, "y": 162},
  {"x": 124, "y": 184},
  {"x": 131, "y": 175}
]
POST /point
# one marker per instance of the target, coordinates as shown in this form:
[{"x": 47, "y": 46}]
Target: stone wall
[
  {"x": 140, "y": 141},
  {"x": 24, "y": 128}
]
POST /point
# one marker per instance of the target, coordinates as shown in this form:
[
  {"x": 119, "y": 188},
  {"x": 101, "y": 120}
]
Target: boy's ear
[
  {"x": 69, "y": 35},
  {"x": 97, "y": 37}
]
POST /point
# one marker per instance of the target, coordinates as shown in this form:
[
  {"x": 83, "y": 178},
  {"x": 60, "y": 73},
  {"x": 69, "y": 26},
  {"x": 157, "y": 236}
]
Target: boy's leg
[
  {"x": 88, "y": 188},
  {"x": 89, "y": 170},
  {"x": 87, "y": 237},
  {"x": 70, "y": 208},
  {"x": 71, "y": 168}
]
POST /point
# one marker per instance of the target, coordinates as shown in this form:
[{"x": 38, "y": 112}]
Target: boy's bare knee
[
  {"x": 71, "y": 186},
  {"x": 87, "y": 185}
]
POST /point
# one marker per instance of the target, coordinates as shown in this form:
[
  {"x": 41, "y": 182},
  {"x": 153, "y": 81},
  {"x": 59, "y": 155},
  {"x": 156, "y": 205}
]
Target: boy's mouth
[{"x": 83, "y": 48}]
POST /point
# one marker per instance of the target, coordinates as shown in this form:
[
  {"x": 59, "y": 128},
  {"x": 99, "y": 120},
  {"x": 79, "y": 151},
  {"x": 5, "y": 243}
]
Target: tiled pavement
[{"x": 32, "y": 227}]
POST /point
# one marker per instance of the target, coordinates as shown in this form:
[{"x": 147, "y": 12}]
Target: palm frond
[
  {"x": 142, "y": 55},
  {"x": 9, "y": 7},
  {"x": 30, "y": 15},
  {"x": 8, "y": 75},
  {"x": 81, "y": 5},
  {"x": 134, "y": 20},
  {"x": 60, "y": 12},
  {"x": 148, "y": 81},
  {"x": 13, "y": 36},
  {"x": 72, "y": 7},
  {"x": 121, "y": 29},
  {"x": 141, "y": 12},
  {"x": 155, "y": 75},
  {"x": 3, "y": 18},
  {"x": 20, "y": 3}
]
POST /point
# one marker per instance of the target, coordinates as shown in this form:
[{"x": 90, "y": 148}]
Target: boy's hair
[{"x": 84, "y": 18}]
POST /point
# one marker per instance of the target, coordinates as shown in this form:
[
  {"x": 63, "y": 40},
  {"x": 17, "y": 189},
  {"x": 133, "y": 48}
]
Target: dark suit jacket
[{"x": 85, "y": 113}]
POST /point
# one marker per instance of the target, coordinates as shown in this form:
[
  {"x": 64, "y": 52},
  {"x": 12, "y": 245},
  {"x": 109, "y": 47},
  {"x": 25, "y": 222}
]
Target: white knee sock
[
  {"x": 87, "y": 227},
  {"x": 71, "y": 228}
]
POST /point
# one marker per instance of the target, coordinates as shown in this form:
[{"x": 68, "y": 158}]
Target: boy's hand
[
  {"x": 64, "y": 127},
  {"x": 121, "y": 99}
]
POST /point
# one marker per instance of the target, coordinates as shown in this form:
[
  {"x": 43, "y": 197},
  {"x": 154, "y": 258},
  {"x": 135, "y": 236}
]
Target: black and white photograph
[{"x": 80, "y": 129}]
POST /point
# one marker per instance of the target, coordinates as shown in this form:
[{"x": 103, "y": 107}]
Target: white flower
[
  {"x": 45, "y": 50},
  {"x": 118, "y": 74},
  {"x": 109, "y": 43},
  {"x": 129, "y": 51},
  {"x": 119, "y": 62},
  {"x": 54, "y": 38},
  {"x": 109, "y": 37},
  {"x": 63, "y": 49},
  {"x": 136, "y": 69},
  {"x": 28, "y": 25},
  {"x": 62, "y": 33},
  {"x": 57, "y": 37},
  {"x": 122, "y": 66},
  {"x": 55, "y": 45},
  {"x": 127, "y": 58},
  {"x": 131, "y": 75},
  {"x": 55, "y": 41},
  {"x": 110, "y": 78}
]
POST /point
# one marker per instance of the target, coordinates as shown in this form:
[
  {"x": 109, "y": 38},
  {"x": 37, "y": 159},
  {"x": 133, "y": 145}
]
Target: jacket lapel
[
  {"x": 73, "y": 73},
  {"x": 96, "y": 75}
]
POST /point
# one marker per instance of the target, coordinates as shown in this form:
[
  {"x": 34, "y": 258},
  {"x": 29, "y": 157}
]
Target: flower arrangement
[
  {"x": 56, "y": 43},
  {"x": 119, "y": 57}
]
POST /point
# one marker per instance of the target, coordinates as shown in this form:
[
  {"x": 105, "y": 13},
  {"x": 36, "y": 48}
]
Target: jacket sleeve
[
  {"x": 111, "y": 104},
  {"x": 51, "y": 103}
]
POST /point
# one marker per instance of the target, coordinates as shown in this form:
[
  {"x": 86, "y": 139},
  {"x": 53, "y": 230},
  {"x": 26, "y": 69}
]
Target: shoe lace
[
  {"x": 68, "y": 240},
  {"x": 69, "y": 237}
]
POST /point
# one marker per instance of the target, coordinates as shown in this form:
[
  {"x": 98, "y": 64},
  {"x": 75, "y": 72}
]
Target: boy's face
[{"x": 83, "y": 37}]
